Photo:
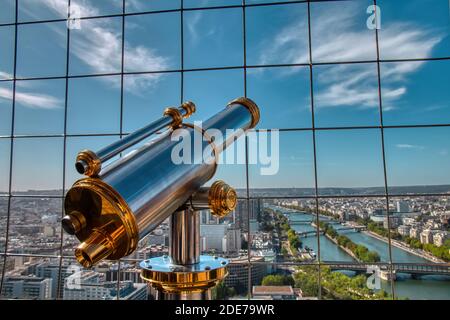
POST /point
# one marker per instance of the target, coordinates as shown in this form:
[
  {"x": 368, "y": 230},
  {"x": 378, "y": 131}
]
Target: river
[{"x": 425, "y": 287}]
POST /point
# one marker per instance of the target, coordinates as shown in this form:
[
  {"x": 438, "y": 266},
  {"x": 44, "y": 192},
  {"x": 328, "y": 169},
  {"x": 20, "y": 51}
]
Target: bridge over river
[
  {"x": 344, "y": 228},
  {"x": 434, "y": 280},
  {"x": 300, "y": 222},
  {"x": 410, "y": 268}
]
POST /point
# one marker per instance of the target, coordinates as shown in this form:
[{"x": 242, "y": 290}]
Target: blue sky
[{"x": 345, "y": 95}]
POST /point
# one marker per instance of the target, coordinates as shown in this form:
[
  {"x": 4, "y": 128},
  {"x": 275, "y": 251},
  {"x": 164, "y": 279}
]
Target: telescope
[{"x": 114, "y": 207}]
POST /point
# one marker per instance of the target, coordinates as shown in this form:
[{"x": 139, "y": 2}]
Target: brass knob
[
  {"x": 189, "y": 107},
  {"x": 222, "y": 199},
  {"x": 74, "y": 222},
  {"x": 88, "y": 163}
]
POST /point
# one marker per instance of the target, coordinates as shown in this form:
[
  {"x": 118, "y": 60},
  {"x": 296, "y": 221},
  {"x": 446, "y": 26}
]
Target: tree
[
  {"x": 291, "y": 233},
  {"x": 307, "y": 281},
  {"x": 332, "y": 233},
  {"x": 294, "y": 240},
  {"x": 277, "y": 280},
  {"x": 373, "y": 256},
  {"x": 221, "y": 291}
]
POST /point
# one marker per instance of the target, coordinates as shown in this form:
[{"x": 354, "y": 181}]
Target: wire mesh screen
[{"x": 358, "y": 91}]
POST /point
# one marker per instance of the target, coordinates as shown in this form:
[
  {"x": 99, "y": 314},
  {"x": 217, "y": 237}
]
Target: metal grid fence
[{"x": 317, "y": 197}]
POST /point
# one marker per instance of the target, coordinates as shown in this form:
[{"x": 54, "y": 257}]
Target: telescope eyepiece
[
  {"x": 88, "y": 163},
  {"x": 97, "y": 247},
  {"x": 74, "y": 222},
  {"x": 81, "y": 166}
]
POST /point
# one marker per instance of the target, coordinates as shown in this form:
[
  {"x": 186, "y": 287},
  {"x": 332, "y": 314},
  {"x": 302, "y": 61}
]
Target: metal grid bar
[
  {"x": 168, "y": 10},
  {"x": 122, "y": 67},
  {"x": 118, "y": 134},
  {"x": 386, "y": 188},
  {"x": 235, "y": 67},
  {"x": 182, "y": 51},
  {"x": 66, "y": 94},
  {"x": 287, "y": 263},
  {"x": 317, "y": 196},
  {"x": 280, "y": 3},
  {"x": 307, "y": 197},
  {"x": 11, "y": 146},
  {"x": 316, "y": 190},
  {"x": 247, "y": 179}
]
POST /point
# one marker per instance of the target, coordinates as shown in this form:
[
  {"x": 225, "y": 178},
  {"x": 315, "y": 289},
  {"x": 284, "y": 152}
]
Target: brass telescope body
[{"x": 114, "y": 207}]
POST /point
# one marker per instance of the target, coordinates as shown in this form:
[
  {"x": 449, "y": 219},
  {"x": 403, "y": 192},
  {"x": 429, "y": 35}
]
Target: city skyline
[
  {"x": 227, "y": 237},
  {"x": 363, "y": 114}
]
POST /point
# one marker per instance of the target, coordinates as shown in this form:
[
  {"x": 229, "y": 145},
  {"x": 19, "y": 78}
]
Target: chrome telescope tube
[
  {"x": 111, "y": 212},
  {"x": 90, "y": 163}
]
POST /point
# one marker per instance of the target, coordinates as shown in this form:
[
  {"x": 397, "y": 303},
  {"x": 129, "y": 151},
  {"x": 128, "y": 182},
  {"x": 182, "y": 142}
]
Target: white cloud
[
  {"x": 289, "y": 45},
  {"x": 404, "y": 39},
  {"x": 214, "y": 32},
  {"x": 33, "y": 7},
  {"x": 134, "y": 5},
  {"x": 409, "y": 146},
  {"x": 192, "y": 25},
  {"x": 339, "y": 35},
  {"x": 433, "y": 107},
  {"x": 32, "y": 100},
  {"x": 6, "y": 75},
  {"x": 345, "y": 85},
  {"x": 100, "y": 47}
]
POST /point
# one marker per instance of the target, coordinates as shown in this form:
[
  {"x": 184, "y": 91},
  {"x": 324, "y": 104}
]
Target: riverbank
[
  {"x": 406, "y": 286},
  {"x": 346, "y": 250},
  {"x": 400, "y": 245}
]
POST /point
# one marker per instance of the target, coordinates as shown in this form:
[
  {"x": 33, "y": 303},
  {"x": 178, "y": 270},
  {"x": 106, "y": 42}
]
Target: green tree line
[
  {"x": 335, "y": 285},
  {"x": 360, "y": 251}
]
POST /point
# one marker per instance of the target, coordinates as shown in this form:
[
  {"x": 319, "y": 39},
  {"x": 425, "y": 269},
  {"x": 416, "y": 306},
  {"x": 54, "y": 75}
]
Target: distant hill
[{"x": 302, "y": 192}]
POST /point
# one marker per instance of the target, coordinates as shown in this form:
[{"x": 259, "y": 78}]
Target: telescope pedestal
[
  {"x": 204, "y": 295},
  {"x": 184, "y": 282},
  {"x": 185, "y": 274},
  {"x": 184, "y": 242}
]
